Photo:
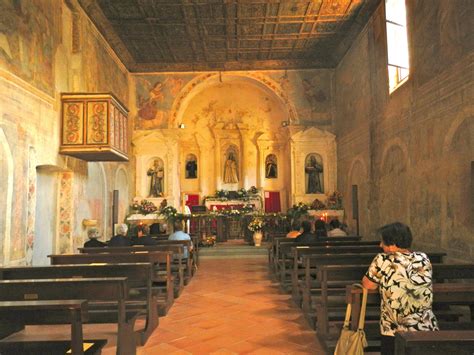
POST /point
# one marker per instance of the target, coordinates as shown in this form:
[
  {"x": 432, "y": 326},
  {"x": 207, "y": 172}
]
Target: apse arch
[
  {"x": 201, "y": 82},
  {"x": 6, "y": 194}
]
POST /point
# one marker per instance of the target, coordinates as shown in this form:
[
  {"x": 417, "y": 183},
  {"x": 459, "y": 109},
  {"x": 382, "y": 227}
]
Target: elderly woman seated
[
  {"x": 120, "y": 239},
  {"x": 93, "y": 235}
]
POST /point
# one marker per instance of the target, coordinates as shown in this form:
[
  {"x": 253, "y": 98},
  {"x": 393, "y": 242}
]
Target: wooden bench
[
  {"x": 277, "y": 242},
  {"x": 48, "y": 347},
  {"x": 297, "y": 271},
  {"x": 139, "y": 279},
  {"x": 21, "y": 313},
  {"x": 162, "y": 277},
  {"x": 311, "y": 287},
  {"x": 444, "y": 294},
  {"x": 284, "y": 258},
  {"x": 459, "y": 342},
  {"x": 178, "y": 268},
  {"x": 106, "y": 299},
  {"x": 333, "y": 279}
]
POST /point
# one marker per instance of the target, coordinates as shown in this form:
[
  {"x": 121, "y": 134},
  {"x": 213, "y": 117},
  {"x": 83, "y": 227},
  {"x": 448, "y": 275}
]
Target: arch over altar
[{"x": 231, "y": 128}]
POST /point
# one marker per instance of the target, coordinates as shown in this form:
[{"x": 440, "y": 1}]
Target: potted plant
[{"x": 256, "y": 226}]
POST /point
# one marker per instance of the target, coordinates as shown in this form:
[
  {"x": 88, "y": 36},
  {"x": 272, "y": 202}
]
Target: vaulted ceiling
[{"x": 199, "y": 35}]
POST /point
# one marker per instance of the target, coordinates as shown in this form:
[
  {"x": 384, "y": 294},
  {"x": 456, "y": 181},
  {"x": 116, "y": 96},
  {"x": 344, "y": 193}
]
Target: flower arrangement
[
  {"x": 318, "y": 205},
  {"x": 334, "y": 201},
  {"x": 241, "y": 194},
  {"x": 256, "y": 225},
  {"x": 145, "y": 207},
  {"x": 208, "y": 240},
  {"x": 298, "y": 210},
  {"x": 169, "y": 212}
]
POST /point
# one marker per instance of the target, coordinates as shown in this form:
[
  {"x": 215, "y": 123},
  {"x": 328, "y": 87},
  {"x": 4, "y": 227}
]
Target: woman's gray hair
[
  {"x": 93, "y": 233},
  {"x": 121, "y": 229}
]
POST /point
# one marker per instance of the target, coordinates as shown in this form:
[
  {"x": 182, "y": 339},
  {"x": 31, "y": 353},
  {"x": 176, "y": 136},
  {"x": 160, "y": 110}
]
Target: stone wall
[
  {"x": 51, "y": 47},
  {"x": 411, "y": 152}
]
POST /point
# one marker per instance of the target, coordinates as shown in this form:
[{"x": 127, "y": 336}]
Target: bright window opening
[{"x": 397, "y": 44}]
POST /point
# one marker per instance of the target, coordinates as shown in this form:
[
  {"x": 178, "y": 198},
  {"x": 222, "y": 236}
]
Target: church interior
[{"x": 105, "y": 104}]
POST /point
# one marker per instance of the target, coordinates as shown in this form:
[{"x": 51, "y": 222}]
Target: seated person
[
  {"x": 144, "y": 237},
  {"x": 306, "y": 235},
  {"x": 180, "y": 235},
  {"x": 155, "y": 229},
  {"x": 93, "y": 234},
  {"x": 320, "y": 228},
  {"x": 336, "y": 229},
  {"x": 120, "y": 239},
  {"x": 295, "y": 230}
]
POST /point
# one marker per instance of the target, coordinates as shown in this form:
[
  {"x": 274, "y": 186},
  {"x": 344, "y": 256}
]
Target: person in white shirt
[{"x": 336, "y": 230}]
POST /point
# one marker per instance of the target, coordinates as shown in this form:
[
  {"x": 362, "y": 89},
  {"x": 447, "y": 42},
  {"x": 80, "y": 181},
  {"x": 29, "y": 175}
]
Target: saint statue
[
  {"x": 271, "y": 167},
  {"x": 314, "y": 170},
  {"x": 191, "y": 168},
  {"x": 230, "y": 170},
  {"x": 156, "y": 184}
]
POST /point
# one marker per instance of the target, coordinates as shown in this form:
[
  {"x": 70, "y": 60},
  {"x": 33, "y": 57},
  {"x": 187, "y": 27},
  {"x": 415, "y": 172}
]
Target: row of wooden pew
[
  {"x": 318, "y": 276},
  {"x": 100, "y": 285}
]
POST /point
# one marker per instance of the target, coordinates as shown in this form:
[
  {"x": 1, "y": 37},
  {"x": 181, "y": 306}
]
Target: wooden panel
[
  {"x": 97, "y": 122},
  {"x": 73, "y": 126}
]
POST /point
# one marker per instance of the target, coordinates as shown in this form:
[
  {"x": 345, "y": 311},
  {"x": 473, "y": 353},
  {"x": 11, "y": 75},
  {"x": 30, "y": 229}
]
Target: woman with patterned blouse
[{"x": 404, "y": 280}]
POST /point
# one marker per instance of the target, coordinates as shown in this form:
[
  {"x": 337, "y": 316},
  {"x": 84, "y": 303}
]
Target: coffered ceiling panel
[{"x": 187, "y": 35}]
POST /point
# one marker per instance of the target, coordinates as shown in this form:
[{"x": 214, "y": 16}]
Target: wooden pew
[
  {"x": 162, "y": 278},
  {"x": 287, "y": 256},
  {"x": 139, "y": 279},
  {"x": 21, "y": 313},
  {"x": 446, "y": 294},
  {"x": 311, "y": 289},
  {"x": 459, "y": 342},
  {"x": 298, "y": 270},
  {"x": 106, "y": 297},
  {"x": 333, "y": 280},
  {"x": 48, "y": 347},
  {"x": 322, "y": 241},
  {"x": 178, "y": 269}
]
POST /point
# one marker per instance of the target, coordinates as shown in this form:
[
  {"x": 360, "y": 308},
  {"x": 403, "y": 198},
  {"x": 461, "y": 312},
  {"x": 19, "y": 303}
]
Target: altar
[{"x": 217, "y": 205}]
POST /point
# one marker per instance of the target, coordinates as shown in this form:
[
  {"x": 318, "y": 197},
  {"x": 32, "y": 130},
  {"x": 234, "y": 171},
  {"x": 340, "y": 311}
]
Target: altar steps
[{"x": 232, "y": 250}]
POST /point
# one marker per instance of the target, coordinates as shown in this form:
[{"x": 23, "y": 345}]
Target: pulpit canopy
[{"x": 94, "y": 127}]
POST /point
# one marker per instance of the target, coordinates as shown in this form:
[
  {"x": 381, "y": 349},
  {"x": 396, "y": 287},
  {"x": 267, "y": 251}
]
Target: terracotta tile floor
[{"x": 230, "y": 307}]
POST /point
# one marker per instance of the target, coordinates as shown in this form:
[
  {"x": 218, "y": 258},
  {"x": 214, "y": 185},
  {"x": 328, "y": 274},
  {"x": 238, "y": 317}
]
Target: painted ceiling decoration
[{"x": 200, "y": 35}]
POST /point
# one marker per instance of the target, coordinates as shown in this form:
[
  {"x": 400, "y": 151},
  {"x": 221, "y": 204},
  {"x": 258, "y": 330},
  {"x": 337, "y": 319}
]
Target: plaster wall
[
  {"x": 411, "y": 152},
  {"x": 47, "y": 48}
]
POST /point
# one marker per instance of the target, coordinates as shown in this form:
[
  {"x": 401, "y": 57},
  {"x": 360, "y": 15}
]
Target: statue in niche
[
  {"x": 314, "y": 172},
  {"x": 230, "y": 170},
  {"x": 191, "y": 167},
  {"x": 156, "y": 172},
  {"x": 271, "y": 169}
]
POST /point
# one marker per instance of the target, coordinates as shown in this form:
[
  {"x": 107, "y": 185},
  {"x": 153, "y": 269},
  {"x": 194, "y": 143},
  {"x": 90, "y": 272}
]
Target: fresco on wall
[
  {"x": 65, "y": 213},
  {"x": 310, "y": 90},
  {"x": 155, "y": 97},
  {"x": 30, "y": 226},
  {"x": 28, "y": 40},
  {"x": 101, "y": 72}
]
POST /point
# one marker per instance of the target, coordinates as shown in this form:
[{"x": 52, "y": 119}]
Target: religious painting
[
  {"x": 314, "y": 174},
  {"x": 271, "y": 167},
  {"x": 156, "y": 173},
  {"x": 155, "y": 97},
  {"x": 231, "y": 175},
  {"x": 191, "y": 167},
  {"x": 28, "y": 38}
]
